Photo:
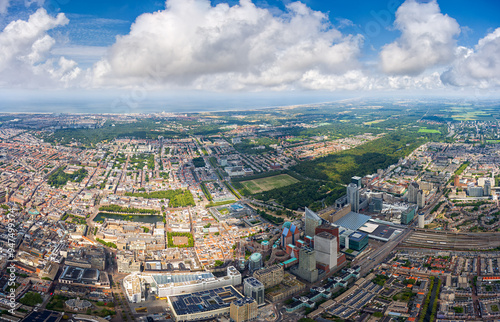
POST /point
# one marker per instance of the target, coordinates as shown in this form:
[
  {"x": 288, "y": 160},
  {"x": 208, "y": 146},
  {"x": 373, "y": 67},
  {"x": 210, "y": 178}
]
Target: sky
[{"x": 185, "y": 52}]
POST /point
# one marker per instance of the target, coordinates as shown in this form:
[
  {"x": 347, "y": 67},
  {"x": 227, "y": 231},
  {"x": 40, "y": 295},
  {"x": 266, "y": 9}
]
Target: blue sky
[
  {"x": 115, "y": 17},
  {"x": 338, "y": 47},
  {"x": 480, "y": 17}
]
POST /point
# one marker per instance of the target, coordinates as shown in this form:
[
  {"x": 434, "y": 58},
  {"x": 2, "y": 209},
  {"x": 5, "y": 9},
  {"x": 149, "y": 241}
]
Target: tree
[{"x": 31, "y": 299}]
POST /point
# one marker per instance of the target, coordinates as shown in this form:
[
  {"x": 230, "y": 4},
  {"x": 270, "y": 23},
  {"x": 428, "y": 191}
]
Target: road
[
  {"x": 475, "y": 299},
  {"x": 380, "y": 254},
  {"x": 86, "y": 184}
]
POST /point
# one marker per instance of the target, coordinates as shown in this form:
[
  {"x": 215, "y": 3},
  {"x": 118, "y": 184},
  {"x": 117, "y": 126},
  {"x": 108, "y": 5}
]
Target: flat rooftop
[
  {"x": 204, "y": 301},
  {"x": 384, "y": 232},
  {"x": 72, "y": 273},
  {"x": 43, "y": 316},
  {"x": 90, "y": 274},
  {"x": 161, "y": 279},
  {"x": 357, "y": 236},
  {"x": 325, "y": 235},
  {"x": 253, "y": 281}
]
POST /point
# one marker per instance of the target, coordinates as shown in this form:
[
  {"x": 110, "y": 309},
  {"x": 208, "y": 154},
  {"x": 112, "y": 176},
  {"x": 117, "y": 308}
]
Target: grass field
[
  {"x": 374, "y": 122},
  {"x": 426, "y": 130},
  {"x": 269, "y": 183}
]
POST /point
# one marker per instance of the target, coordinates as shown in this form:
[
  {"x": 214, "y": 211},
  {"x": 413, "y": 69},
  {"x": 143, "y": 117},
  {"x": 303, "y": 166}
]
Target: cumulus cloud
[
  {"x": 25, "y": 47},
  {"x": 427, "y": 39},
  {"x": 192, "y": 43},
  {"x": 477, "y": 67}
]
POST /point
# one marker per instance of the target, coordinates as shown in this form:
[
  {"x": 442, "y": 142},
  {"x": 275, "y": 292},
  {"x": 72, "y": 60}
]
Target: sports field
[
  {"x": 426, "y": 130},
  {"x": 269, "y": 183}
]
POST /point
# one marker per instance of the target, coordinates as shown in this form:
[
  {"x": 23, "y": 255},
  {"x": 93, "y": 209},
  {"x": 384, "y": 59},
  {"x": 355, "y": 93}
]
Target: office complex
[
  {"x": 358, "y": 241},
  {"x": 407, "y": 215},
  {"x": 307, "y": 265},
  {"x": 270, "y": 276},
  {"x": 163, "y": 285},
  {"x": 312, "y": 221},
  {"x": 412, "y": 192},
  {"x": 356, "y": 180},
  {"x": 353, "y": 196},
  {"x": 290, "y": 234},
  {"x": 421, "y": 199},
  {"x": 203, "y": 305},
  {"x": 255, "y": 262},
  {"x": 421, "y": 220},
  {"x": 325, "y": 245},
  {"x": 487, "y": 188},
  {"x": 244, "y": 309},
  {"x": 253, "y": 288}
]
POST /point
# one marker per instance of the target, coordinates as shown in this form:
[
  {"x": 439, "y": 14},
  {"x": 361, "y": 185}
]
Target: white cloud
[
  {"x": 478, "y": 67},
  {"x": 86, "y": 56},
  {"x": 25, "y": 47},
  {"x": 427, "y": 39},
  {"x": 192, "y": 43},
  {"x": 351, "y": 80},
  {"x": 421, "y": 82}
]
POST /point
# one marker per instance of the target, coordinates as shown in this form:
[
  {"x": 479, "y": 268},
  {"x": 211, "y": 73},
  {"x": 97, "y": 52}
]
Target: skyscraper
[
  {"x": 487, "y": 188},
  {"x": 253, "y": 288},
  {"x": 307, "y": 265},
  {"x": 356, "y": 180},
  {"x": 312, "y": 221},
  {"x": 331, "y": 229},
  {"x": 353, "y": 196},
  {"x": 421, "y": 220},
  {"x": 325, "y": 245},
  {"x": 420, "y": 199},
  {"x": 407, "y": 215},
  {"x": 412, "y": 192}
]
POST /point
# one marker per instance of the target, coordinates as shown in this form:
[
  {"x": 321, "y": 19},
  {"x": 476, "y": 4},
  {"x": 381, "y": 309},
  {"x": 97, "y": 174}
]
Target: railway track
[{"x": 452, "y": 241}]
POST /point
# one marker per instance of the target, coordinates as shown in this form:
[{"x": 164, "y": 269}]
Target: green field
[
  {"x": 269, "y": 183},
  {"x": 426, "y": 130},
  {"x": 468, "y": 114}
]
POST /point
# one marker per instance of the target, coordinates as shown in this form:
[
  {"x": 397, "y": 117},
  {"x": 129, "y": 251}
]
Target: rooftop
[
  {"x": 357, "y": 236},
  {"x": 204, "y": 301},
  {"x": 181, "y": 278},
  {"x": 253, "y": 281},
  {"x": 325, "y": 235},
  {"x": 352, "y": 220}
]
